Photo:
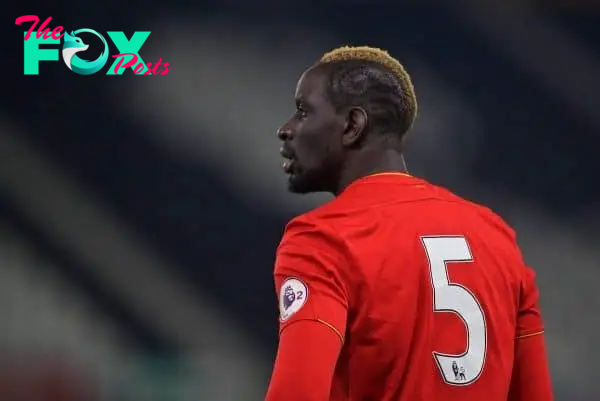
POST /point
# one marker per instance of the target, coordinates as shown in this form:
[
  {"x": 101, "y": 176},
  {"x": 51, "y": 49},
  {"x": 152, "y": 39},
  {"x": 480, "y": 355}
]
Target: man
[{"x": 397, "y": 290}]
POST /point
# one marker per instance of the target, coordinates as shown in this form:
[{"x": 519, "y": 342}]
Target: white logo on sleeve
[{"x": 292, "y": 297}]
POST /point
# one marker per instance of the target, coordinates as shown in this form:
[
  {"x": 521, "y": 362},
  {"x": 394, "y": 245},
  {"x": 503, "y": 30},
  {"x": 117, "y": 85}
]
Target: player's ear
[{"x": 356, "y": 126}]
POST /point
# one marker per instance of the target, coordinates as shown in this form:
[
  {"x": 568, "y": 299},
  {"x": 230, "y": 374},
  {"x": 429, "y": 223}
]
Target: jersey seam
[
  {"x": 321, "y": 321},
  {"x": 332, "y": 327},
  {"x": 536, "y": 333}
]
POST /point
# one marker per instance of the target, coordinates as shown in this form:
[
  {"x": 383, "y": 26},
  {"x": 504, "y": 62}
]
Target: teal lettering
[
  {"x": 33, "y": 54},
  {"x": 132, "y": 46}
]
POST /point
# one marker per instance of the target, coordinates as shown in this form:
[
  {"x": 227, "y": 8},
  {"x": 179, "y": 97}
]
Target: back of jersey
[
  {"x": 439, "y": 289},
  {"x": 476, "y": 274}
]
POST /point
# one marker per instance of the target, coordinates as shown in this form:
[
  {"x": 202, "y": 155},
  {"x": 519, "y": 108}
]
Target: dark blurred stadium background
[{"x": 139, "y": 215}]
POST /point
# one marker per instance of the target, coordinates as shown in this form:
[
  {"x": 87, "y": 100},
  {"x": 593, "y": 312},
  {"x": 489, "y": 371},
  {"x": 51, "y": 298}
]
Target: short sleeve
[
  {"x": 529, "y": 319},
  {"x": 308, "y": 277}
]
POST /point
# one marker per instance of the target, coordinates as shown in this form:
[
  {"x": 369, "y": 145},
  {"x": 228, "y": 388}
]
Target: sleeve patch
[{"x": 293, "y": 295}]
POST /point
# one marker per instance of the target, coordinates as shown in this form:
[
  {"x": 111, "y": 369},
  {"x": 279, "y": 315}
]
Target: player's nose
[{"x": 284, "y": 133}]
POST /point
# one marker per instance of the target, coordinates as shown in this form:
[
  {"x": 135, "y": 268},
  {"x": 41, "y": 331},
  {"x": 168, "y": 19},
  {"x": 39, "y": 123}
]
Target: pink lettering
[
  {"x": 43, "y": 30},
  {"x": 157, "y": 66},
  {"x": 57, "y": 31},
  {"x": 28, "y": 18},
  {"x": 138, "y": 68},
  {"x": 130, "y": 63}
]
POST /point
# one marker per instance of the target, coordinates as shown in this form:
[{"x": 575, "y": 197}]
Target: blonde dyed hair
[{"x": 384, "y": 59}]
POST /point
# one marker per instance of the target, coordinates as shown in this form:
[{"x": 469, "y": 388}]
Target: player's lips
[
  {"x": 288, "y": 166},
  {"x": 288, "y": 163}
]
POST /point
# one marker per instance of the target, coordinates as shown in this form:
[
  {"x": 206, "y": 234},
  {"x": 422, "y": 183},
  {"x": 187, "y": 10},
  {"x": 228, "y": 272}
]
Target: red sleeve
[
  {"x": 313, "y": 305},
  {"x": 306, "y": 359},
  {"x": 529, "y": 319},
  {"x": 531, "y": 375},
  {"x": 309, "y": 277}
]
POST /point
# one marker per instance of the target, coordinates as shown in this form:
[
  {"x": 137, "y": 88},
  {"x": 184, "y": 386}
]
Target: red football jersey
[{"x": 427, "y": 292}]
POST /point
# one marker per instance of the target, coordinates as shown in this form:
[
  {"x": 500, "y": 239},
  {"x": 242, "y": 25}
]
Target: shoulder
[
  {"x": 494, "y": 221},
  {"x": 311, "y": 258},
  {"x": 322, "y": 224},
  {"x": 486, "y": 216},
  {"x": 312, "y": 245},
  {"x": 310, "y": 231}
]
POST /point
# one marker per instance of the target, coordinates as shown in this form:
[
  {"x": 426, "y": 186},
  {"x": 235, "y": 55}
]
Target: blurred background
[{"x": 139, "y": 216}]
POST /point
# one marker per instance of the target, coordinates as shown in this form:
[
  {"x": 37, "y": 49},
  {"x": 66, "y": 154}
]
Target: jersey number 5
[{"x": 465, "y": 368}]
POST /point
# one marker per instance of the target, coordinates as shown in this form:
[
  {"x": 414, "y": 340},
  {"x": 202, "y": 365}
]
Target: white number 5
[{"x": 465, "y": 368}]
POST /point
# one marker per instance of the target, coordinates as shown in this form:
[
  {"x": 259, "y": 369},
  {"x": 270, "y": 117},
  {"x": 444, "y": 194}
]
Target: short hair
[{"x": 370, "y": 78}]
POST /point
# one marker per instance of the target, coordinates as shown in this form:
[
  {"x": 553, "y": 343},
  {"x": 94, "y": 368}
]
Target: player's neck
[{"x": 370, "y": 163}]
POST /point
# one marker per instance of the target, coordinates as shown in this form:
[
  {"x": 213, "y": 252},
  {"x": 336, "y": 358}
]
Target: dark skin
[{"x": 326, "y": 150}]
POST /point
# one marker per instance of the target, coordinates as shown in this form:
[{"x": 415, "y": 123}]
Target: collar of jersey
[{"x": 376, "y": 177}]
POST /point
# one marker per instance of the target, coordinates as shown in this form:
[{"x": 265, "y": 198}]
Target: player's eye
[{"x": 300, "y": 112}]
